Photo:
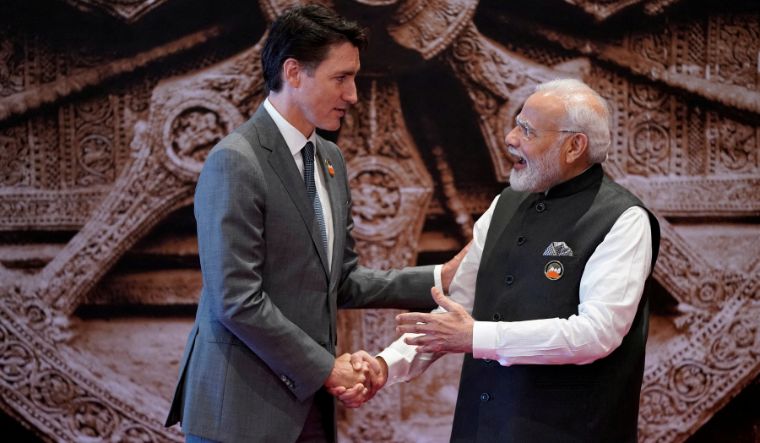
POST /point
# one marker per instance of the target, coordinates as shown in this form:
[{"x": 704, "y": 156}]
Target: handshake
[{"x": 356, "y": 378}]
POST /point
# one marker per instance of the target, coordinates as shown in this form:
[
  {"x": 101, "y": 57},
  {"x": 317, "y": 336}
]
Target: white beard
[{"x": 539, "y": 174}]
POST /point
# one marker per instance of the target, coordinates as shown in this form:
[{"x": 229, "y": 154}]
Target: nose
[
  {"x": 350, "y": 95},
  {"x": 512, "y": 137}
]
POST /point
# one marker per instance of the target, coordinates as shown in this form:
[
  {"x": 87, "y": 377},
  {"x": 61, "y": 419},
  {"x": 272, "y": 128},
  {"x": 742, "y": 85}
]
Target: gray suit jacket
[{"x": 264, "y": 337}]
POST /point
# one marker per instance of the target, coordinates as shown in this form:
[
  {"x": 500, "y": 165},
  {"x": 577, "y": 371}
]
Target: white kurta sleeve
[{"x": 404, "y": 362}]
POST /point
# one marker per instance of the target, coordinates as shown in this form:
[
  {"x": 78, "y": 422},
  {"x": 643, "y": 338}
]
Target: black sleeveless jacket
[{"x": 551, "y": 403}]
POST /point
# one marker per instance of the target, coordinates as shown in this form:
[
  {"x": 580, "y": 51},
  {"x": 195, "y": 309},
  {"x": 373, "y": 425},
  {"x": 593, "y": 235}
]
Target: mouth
[
  {"x": 341, "y": 112},
  {"x": 518, "y": 160}
]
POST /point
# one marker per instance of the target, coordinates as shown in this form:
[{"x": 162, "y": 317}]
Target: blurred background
[{"x": 108, "y": 109}]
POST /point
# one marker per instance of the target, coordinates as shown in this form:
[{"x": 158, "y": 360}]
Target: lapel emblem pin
[
  {"x": 330, "y": 168},
  {"x": 554, "y": 270}
]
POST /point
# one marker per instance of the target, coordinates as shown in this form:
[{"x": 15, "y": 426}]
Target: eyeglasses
[{"x": 529, "y": 133}]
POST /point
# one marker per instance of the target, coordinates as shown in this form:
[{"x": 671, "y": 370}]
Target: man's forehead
[
  {"x": 542, "y": 106},
  {"x": 343, "y": 53}
]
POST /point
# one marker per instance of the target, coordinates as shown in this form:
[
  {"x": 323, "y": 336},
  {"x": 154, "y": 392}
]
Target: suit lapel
[
  {"x": 336, "y": 185},
  {"x": 282, "y": 163},
  {"x": 337, "y": 204}
]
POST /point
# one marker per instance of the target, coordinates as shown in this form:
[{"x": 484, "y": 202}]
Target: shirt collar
[{"x": 293, "y": 137}]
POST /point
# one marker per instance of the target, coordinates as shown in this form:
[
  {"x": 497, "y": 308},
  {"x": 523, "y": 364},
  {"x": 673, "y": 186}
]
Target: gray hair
[{"x": 586, "y": 112}]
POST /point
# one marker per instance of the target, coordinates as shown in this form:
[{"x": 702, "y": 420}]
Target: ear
[
  {"x": 577, "y": 148},
  {"x": 291, "y": 72}
]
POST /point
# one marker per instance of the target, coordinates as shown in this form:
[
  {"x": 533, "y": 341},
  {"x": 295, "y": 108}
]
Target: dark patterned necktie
[{"x": 311, "y": 189}]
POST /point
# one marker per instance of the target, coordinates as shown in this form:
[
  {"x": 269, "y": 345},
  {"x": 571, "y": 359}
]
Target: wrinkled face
[
  {"x": 323, "y": 95},
  {"x": 535, "y": 143}
]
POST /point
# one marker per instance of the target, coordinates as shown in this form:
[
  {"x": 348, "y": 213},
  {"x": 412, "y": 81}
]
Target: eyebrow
[
  {"x": 520, "y": 121},
  {"x": 344, "y": 74}
]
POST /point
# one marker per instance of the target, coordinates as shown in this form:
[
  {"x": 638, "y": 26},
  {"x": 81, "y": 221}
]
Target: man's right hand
[
  {"x": 346, "y": 377},
  {"x": 378, "y": 376}
]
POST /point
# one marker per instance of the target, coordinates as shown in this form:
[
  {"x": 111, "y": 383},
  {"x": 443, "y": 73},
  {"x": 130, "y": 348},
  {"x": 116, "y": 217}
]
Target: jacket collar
[{"x": 586, "y": 179}]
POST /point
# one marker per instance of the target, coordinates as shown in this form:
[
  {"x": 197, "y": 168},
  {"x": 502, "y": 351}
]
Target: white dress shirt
[
  {"x": 296, "y": 141},
  {"x": 610, "y": 291}
]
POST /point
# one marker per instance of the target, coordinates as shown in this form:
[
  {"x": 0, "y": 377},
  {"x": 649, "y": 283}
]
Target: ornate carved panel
[
  {"x": 127, "y": 10},
  {"x": 389, "y": 185},
  {"x": 101, "y": 143}
]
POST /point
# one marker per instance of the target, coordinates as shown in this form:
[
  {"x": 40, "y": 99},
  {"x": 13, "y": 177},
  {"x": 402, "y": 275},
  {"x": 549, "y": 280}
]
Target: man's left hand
[{"x": 444, "y": 332}]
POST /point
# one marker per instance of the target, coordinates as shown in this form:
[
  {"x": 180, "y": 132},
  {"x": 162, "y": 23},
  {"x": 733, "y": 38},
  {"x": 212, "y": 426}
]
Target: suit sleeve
[
  {"x": 230, "y": 201},
  {"x": 362, "y": 287}
]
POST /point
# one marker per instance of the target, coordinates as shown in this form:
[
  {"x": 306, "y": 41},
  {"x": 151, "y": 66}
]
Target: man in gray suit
[{"x": 274, "y": 235}]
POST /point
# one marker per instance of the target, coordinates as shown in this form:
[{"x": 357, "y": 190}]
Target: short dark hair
[{"x": 306, "y": 34}]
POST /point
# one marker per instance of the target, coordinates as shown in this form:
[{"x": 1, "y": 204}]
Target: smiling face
[
  {"x": 535, "y": 144},
  {"x": 321, "y": 96}
]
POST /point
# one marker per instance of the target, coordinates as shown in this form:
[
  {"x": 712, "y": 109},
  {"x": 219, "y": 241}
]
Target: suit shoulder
[
  {"x": 234, "y": 155},
  {"x": 250, "y": 129},
  {"x": 243, "y": 140}
]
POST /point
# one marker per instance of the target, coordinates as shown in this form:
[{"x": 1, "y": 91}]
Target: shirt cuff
[
  {"x": 437, "y": 277},
  {"x": 398, "y": 366},
  {"x": 484, "y": 337}
]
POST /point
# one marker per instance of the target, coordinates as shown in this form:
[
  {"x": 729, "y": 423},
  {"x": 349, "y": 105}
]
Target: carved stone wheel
[{"x": 100, "y": 149}]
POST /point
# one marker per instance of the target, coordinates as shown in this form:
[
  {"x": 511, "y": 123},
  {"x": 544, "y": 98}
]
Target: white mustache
[{"x": 513, "y": 151}]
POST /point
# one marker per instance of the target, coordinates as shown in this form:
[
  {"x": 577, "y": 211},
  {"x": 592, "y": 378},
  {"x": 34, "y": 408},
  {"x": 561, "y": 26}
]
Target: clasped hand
[{"x": 356, "y": 378}]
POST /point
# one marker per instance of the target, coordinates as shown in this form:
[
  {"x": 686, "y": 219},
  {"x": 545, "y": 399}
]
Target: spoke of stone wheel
[{"x": 144, "y": 193}]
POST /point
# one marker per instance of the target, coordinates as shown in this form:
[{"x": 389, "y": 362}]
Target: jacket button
[
  {"x": 485, "y": 396},
  {"x": 520, "y": 240},
  {"x": 540, "y": 207},
  {"x": 509, "y": 279},
  {"x": 496, "y": 317}
]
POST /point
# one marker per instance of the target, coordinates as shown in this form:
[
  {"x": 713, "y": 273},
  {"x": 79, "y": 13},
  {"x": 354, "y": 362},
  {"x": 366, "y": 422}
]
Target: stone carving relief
[
  {"x": 603, "y": 9},
  {"x": 107, "y": 147},
  {"x": 127, "y": 10},
  {"x": 731, "y": 51},
  {"x": 429, "y": 26},
  {"x": 94, "y": 149},
  {"x": 14, "y": 170},
  {"x": 733, "y": 147},
  {"x": 389, "y": 182}
]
